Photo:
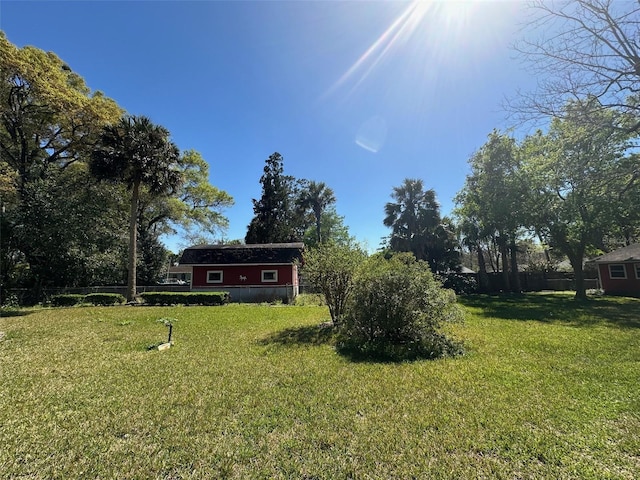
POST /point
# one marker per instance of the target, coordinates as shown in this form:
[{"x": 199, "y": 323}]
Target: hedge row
[
  {"x": 71, "y": 299},
  {"x": 185, "y": 298}
]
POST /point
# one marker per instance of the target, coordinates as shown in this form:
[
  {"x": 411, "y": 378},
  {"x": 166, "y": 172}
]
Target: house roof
[
  {"x": 234, "y": 254},
  {"x": 179, "y": 269},
  {"x": 630, "y": 253}
]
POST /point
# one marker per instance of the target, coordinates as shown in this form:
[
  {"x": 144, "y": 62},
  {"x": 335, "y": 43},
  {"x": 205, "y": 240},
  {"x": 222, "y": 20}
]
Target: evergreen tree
[{"x": 275, "y": 220}]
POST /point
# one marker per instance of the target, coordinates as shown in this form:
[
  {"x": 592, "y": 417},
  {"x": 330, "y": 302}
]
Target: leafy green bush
[
  {"x": 186, "y": 298},
  {"x": 67, "y": 299},
  {"x": 462, "y": 284},
  {"x": 397, "y": 312},
  {"x": 105, "y": 299}
]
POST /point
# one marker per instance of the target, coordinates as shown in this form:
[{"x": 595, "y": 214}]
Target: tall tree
[
  {"x": 414, "y": 217},
  {"x": 275, "y": 218},
  {"x": 473, "y": 234},
  {"x": 316, "y": 197},
  {"x": 578, "y": 174},
  {"x": 493, "y": 198},
  {"x": 49, "y": 121},
  {"x": 581, "y": 49},
  {"x": 139, "y": 154}
]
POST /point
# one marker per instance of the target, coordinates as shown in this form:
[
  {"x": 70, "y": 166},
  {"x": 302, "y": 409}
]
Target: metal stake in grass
[{"x": 168, "y": 322}]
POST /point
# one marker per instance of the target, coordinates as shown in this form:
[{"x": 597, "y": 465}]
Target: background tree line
[
  {"x": 573, "y": 186},
  {"x": 61, "y": 225},
  {"x": 73, "y": 165},
  {"x": 295, "y": 210},
  {"x": 571, "y": 189}
]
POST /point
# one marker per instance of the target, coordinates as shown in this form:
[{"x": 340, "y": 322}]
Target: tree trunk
[
  {"x": 576, "y": 263},
  {"x": 504, "y": 253},
  {"x": 483, "y": 278},
  {"x": 133, "y": 243},
  {"x": 318, "y": 216},
  {"x": 515, "y": 275}
]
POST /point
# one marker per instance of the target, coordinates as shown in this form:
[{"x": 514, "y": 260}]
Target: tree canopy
[
  {"x": 274, "y": 218},
  {"x": 414, "y": 218},
  {"x": 49, "y": 121},
  {"x": 290, "y": 208},
  {"x": 491, "y": 203},
  {"x": 59, "y": 226},
  {"x": 581, "y": 178},
  {"x": 316, "y": 197}
]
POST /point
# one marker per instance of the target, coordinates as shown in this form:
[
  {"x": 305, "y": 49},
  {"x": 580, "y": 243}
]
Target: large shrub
[
  {"x": 397, "y": 312},
  {"x": 330, "y": 268}
]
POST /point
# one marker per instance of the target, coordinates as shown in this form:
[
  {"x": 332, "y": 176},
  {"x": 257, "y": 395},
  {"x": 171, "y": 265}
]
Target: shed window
[
  {"x": 214, "y": 276},
  {"x": 637, "y": 265},
  {"x": 617, "y": 271},
  {"x": 269, "y": 275}
]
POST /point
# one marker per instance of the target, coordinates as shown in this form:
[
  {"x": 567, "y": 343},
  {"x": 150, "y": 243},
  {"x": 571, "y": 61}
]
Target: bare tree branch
[{"x": 581, "y": 49}]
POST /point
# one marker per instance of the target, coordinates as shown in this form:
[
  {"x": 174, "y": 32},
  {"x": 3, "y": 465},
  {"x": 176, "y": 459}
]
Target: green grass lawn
[{"x": 549, "y": 388}]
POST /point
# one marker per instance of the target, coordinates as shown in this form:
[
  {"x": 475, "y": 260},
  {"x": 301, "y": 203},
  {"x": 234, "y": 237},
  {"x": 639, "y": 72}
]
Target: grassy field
[{"x": 549, "y": 388}]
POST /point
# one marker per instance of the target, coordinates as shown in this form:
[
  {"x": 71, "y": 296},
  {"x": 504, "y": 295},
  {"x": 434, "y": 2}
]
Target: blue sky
[{"x": 359, "y": 95}]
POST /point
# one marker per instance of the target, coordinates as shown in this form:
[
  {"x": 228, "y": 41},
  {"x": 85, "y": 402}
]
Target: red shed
[
  {"x": 250, "y": 273},
  {"x": 619, "y": 271}
]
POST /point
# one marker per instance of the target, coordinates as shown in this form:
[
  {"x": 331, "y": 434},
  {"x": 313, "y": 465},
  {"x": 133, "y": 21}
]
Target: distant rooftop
[{"x": 630, "y": 253}]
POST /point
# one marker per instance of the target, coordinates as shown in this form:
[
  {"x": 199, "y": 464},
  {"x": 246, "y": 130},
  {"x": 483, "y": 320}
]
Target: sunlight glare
[{"x": 430, "y": 34}]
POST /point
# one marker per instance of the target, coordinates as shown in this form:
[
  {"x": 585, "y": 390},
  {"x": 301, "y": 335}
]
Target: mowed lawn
[{"x": 548, "y": 389}]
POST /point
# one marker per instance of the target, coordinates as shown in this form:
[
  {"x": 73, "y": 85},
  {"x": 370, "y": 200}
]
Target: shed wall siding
[
  {"x": 619, "y": 286},
  {"x": 241, "y": 275}
]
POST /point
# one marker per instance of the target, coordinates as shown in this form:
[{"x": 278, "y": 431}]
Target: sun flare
[{"x": 429, "y": 35}]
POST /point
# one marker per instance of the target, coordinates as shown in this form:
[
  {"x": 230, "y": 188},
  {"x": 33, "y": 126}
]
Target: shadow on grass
[
  {"x": 317, "y": 335},
  {"x": 553, "y": 308},
  {"x": 308, "y": 335},
  {"x": 14, "y": 313}
]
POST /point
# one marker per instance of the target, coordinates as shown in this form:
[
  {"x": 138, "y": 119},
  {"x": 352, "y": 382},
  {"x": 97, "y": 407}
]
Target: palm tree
[
  {"x": 138, "y": 153},
  {"x": 414, "y": 214},
  {"x": 316, "y": 196},
  {"x": 417, "y": 227}
]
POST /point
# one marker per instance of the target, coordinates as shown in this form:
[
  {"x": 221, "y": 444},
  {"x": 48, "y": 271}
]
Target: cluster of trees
[
  {"x": 61, "y": 225},
  {"x": 294, "y": 210},
  {"x": 291, "y": 210},
  {"x": 82, "y": 184},
  {"x": 574, "y": 186}
]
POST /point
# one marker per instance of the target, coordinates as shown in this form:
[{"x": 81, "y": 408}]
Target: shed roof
[
  {"x": 630, "y": 253},
  {"x": 238, "y": 254}
]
